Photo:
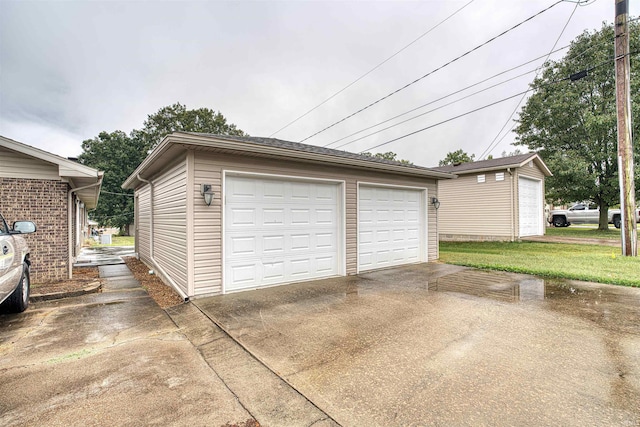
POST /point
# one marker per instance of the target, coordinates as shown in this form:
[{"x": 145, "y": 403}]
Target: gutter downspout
[
  {"x": 69, "y": 221},
  {"x": 153, "y": 260},
  {"x": 511, "y": 209}
]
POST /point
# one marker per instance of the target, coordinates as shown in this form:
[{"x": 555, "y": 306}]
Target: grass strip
[{"x": 592, "y": 263}]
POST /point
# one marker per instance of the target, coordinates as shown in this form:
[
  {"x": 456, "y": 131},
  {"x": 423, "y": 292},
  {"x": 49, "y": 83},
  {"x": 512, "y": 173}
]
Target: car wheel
[
  {"x": 558, "y": 221},
  {"x": 617, "y": 223},
  {"x": 19, "y": 299}
]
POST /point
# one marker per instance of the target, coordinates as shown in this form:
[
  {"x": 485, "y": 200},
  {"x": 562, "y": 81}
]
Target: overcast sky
[{"x": 71, "y": 69}]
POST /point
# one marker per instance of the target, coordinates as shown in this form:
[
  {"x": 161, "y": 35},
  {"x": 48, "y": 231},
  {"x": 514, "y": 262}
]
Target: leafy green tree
[
  {"x": 117, "y": 155},
  {"x": 515, "y": 152},
  {"x": 572, "y": 124},
  {"x": 176, "y": 117},
  {"x": 389, "y": 155},
  {"x": 456, "y": 157}
]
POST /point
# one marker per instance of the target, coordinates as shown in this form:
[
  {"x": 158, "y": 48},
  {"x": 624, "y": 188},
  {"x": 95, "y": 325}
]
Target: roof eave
[
  {"x": 196, "y": 140},
  {"x": 66, "y": 168},
  {"x": 534, "y": 156}
]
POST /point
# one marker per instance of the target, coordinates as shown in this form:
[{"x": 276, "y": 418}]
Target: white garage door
[
  {"x": 279, "y": 231},
  {"x": 391, "y": 227},
  {"x": 530, "y": 207}
]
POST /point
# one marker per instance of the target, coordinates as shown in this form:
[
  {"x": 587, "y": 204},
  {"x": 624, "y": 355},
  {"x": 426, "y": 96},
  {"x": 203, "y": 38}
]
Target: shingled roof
[
  {"x": 493, "y": 164},
  {"x": 172, "y": 144},
  {"x": 306, "y": 148}
]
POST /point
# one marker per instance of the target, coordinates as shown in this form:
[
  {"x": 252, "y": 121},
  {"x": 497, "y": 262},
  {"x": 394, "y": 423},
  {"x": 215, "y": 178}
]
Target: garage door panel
[
  {"x": 272, "y": 216},
  {"x": 390, "y": 227},
  {"x": 531, "y": 221},
  {"x": 273, "y": 272},
  {"x": 279, "y": 231},
  {"x": 273, "y": 244}
]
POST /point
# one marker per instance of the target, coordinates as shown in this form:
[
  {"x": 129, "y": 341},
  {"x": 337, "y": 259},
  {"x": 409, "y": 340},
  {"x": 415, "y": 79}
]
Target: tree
[
  {"x": 572, "y": 124},
  {"x": 118, "y": 155},
  {"x": 389, "y": 155},
  {"x": 456, "y": 157},
  {"x": 176, "y": 117},
  {"x": 515, "y": 152}
]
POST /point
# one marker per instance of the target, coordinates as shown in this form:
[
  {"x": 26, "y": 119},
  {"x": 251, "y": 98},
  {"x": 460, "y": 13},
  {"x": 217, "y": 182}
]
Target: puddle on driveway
[{"x": 610, "y": 306}]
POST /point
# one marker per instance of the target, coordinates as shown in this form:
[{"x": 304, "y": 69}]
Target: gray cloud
[{"x": 72, "y": 69}]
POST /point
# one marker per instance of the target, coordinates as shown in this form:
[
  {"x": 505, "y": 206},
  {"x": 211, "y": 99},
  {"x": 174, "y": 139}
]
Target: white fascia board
[
  {"x": 204, "y": 141},
  {"x": 66, "y": 167}
]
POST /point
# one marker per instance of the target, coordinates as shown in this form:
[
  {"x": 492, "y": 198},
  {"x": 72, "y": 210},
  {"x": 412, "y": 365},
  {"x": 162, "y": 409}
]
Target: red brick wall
[{"x": 45, "y": 203}]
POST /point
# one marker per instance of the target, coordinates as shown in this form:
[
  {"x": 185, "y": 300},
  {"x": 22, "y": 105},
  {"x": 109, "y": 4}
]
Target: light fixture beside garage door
[
  {"x": 435, "y": 202},
  {"x": 207, "y": 193}
]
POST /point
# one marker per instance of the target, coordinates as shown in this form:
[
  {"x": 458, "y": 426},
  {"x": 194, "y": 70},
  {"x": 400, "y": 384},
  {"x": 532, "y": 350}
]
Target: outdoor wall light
[
  {"x": 435, "y": 202},
  {"x": 207, "y": 193}
]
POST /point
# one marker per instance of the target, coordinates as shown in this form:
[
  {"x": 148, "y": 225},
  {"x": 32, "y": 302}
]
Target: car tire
[
  {"x": 617, "y": 222},
  {"x": 559, "y": 221},
  {"x": 18, "y": 301}
]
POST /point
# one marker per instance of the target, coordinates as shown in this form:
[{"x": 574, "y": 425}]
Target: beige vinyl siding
[
  {"x": 18, "y": 165},
  {"x": 208, "y": 169},
  {"x": 528, "y": 172},
  {"x": 207, "y": 227},
  {"x": 143, "y": 227},
  {"x": 470, "y": 210},
  {"x": 170, "y": 223}
]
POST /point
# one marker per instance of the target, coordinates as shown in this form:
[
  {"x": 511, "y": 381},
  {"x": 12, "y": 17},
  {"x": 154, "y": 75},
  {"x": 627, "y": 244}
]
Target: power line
[
  {"x": 447, "y": 120},
  {"x": 440, "y": 99},
  {"x": 493, "y": 143},
  {"x": 117, "y": 194},
  {"x": 373, "y": 69},
  {"x": 585, "y": 72},
  {"x": 435, "y": 109},
  {"x": 435, "y": 70}
]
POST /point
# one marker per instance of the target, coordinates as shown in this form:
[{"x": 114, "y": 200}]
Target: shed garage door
[
  {"x": 279, "y": 231},
  {"x": 530, "y": 207},
  {"x": 391, "y": 227}
]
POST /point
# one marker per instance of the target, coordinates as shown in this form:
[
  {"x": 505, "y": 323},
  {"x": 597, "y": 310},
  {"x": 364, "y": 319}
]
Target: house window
[
  {"x": 499, "y": 176},
  {"x": 481, "y": 178}
]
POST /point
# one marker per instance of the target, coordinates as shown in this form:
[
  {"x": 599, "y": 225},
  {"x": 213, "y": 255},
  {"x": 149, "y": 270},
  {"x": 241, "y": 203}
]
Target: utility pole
[{"x": 625, "y": 144}]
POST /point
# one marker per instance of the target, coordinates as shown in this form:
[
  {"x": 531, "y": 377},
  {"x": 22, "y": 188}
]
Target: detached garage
[
  {"x": 497, "y": 199},
  {"x": 217, "y": 214}
]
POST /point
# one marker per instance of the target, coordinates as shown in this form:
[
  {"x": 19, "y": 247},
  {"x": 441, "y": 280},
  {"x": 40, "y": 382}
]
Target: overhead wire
[
  {"x": 436, "y": 109},
  {"x": 435, "y": 70},
  {"x": 494, "y": 143},
  {"x": 373, "y": 69},
  {"x": 440, "y": 99},
  {"x": 582, "y": 53},
  {"x": 568, "y": 78}
]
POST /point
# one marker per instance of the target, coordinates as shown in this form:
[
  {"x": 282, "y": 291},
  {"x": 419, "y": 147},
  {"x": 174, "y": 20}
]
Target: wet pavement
[
  {"x": 117, "y": 359},
  {"x": 103, "y": 255},
  {"x": 434, "y": 344},
  {"x": 113, "y": 358}
]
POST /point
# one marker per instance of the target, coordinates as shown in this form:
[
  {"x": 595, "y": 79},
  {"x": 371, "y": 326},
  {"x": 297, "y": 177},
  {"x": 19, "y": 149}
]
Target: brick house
[{"x": 55, "y": 193}]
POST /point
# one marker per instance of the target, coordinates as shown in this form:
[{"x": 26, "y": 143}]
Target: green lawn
[
  {"x": 588, "y": 231},
  {"x": 121, "y": 241},
  {"x": 592, "y": 263}
]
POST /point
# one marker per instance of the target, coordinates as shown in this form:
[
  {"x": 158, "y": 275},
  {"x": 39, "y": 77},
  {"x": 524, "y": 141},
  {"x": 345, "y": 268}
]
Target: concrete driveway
[
  {"x": 433, "y": 344},
  {"x": 117, "y": 359}
]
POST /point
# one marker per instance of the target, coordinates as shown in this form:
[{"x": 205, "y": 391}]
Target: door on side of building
[
  {"x": 530, "y": 208},
  {"x": 280, "y": 230},
  {"x": 391, "y": 226}
]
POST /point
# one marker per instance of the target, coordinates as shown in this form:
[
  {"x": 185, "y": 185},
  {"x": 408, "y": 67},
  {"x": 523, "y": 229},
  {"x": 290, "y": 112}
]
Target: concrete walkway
[
  {"x": 116, "y": 358},
  {"x": 103, "y": 255}
]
